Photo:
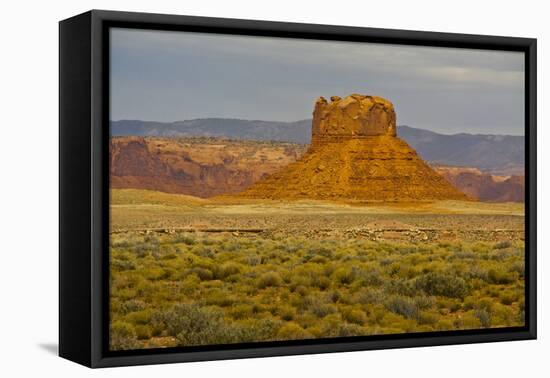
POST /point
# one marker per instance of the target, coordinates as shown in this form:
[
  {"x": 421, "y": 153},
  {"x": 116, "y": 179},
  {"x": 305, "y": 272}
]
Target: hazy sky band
[{"x": 170, "y": 76}]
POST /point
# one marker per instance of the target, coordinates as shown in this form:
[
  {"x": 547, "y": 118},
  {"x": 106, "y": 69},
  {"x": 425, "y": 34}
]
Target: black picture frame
[{"x": 84, "y": 187}]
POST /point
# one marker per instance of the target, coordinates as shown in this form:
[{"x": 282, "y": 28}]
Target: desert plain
[{"x": 192, "y": 271}]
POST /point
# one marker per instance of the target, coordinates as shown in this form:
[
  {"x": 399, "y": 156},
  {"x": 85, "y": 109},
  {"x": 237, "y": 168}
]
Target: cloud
[
  {"x": 163, "y": 75},
  {"x": 476, "y": 76}
]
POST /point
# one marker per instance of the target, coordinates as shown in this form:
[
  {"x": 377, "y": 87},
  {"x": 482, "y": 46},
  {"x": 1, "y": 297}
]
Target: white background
[{"x": 29, "y": 187}]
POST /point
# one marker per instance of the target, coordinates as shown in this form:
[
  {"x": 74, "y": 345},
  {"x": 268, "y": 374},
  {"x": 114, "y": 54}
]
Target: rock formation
[
  {"x": 201, "y": 167},
  {"x": 484, "y": 186},
  {"x": 355, "y": 116},
  {"x": 355, "y": 154}
]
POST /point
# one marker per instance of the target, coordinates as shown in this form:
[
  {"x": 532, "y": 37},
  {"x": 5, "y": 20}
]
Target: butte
[{"x": 355, "y": 154}]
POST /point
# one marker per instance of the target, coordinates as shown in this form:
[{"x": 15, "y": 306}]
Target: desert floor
[{"x": 188, "y": 271}]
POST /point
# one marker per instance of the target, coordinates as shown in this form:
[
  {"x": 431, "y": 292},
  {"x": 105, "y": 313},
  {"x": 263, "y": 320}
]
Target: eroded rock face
[
  {"x": 356, "y": 155},
  {"x": 484, "y": 186},
  {"x": 354, "y": 116},
  {"x": 199, "y": 167}
]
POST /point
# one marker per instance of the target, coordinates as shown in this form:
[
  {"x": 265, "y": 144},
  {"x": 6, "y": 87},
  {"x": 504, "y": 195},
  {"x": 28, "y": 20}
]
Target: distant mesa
[
  {"x": 483, "y": 186},
  {"x": 355, "y": 154},
  {"x": 202, "y": 167}
]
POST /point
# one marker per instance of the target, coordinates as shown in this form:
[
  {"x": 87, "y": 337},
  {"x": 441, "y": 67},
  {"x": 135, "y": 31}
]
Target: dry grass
[{"x": 195, "y": 288}]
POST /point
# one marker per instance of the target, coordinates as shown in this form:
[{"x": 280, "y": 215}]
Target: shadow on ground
[{"x": 51, "y": 348}]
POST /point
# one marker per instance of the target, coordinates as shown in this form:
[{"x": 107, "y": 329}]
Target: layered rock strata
[{"x": 355, "y": 154}]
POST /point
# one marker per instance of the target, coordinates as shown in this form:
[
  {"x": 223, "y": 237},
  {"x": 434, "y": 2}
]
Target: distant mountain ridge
[
  {"x": 296, "y": 132},
  {"x": 496, "y": 154}
]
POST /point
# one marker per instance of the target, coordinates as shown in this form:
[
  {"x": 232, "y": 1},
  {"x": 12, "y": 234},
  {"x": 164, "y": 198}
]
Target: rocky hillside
[
  {"x": 484, "y": 186},
  {"x": 201, "y": 167}
]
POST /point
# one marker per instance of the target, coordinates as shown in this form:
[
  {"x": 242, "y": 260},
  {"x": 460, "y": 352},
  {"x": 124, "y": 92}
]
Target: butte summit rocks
[{"x": 355, "y": 154}]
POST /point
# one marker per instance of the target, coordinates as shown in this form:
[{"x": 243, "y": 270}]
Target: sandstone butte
[{"x": 355, "y": 154}]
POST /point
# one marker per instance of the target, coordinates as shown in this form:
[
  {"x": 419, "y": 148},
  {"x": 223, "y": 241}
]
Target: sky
[{"x": 170, "y": 76}]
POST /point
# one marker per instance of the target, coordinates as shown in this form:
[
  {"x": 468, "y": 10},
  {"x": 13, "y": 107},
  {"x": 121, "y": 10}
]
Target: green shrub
[
  {"x": 318, "y": 308},
  {"x": 484, "y": 317},
  {"x": 146, "y": 248},
  {"x": 507, "y": 297},
  {"x": 401, "y": 287},
  {"x": 423, "y": 302},
  {"x": 321, "y": 282},
  {"x": 241, "y": 311},
  {"x": 425, "y": 317},
  {"x": 344, "y": 275},
  {"x": 132, "y": 305},
  {"x": 355, "y": 316},
  {"x": 203, "y": 251},
  {"x": 503, "y": 244},
  {"x": 292, "y": 331},
  {"x": 144, "y": 332},
  {"x": 334, "y": 296},
  {"x": 203, "y": 273},
  {"x": 215, "y": 297},
  {"x": 321, "y": 251},
  {"x": 139, "y": 317},
  {"x": 501, "y": 277},
  {"x": 518, "y": 267},
  {"x": 193, "y": 325},
  {"x": 121, "y": 265},
  {"x": 478, "y": 272},
  {"x": 253, "y": 260},
  {"x": 185, "y": 239},
  {"x": 122, "y": 336},
  {"x": 371, "y": 277},
  {"x": 154, "y": 273},
  {"x": 256, "y": 330},
  {"x": 228, "y": 269},
  {"x": 319, "y": 259},
  {"x": 403, "y": 306},
  {"x": 269, "y": 279},
  {"x": 286, "y": 312},
  {"x": 347, "y": 330},
  {"x": 300, "y": 290},
  {"x": 443, "y": 284},
  {"x": 369, "y": 296}
]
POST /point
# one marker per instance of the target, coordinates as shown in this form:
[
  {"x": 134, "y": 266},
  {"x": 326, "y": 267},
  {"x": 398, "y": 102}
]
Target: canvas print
[{"x": 272, "y": 189}]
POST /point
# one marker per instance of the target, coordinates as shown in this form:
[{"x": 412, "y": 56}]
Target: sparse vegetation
[
  {"x": 183, "y": 288},
  {"x": 191, "y": 271}
]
